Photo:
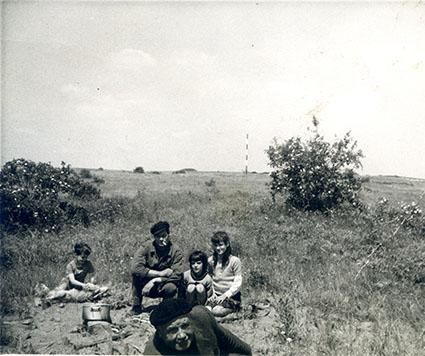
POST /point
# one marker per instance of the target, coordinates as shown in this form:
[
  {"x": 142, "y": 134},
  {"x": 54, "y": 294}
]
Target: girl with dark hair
[
  {"x": 226, "y": 270},
  {"x": 197, "y": 281}
]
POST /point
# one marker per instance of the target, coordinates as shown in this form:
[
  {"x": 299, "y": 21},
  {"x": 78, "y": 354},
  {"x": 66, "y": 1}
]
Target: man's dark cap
[
  {"x": 159, "y": 227},
  {"x": 168, "y": 310}
]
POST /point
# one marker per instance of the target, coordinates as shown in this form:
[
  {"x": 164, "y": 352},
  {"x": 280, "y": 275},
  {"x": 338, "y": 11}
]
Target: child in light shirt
[
  {"x": 73, "y": 287},
  {"x": 226, "y": 272}
]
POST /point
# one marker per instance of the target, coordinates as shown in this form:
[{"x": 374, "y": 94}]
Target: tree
[{"x": 314, "y": 174}]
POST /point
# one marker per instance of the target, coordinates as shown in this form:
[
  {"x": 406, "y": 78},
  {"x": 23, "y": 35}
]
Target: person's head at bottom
[{"x": 171, "y": 321}]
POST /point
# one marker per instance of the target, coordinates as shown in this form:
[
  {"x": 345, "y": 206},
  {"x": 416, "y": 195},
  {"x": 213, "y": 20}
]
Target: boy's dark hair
[
  {"x": 159, "y": 227},
  {"x": 199, "y": 256},
  {"x": 221, "y": 236},
  {"x": 82, "y": 247}
]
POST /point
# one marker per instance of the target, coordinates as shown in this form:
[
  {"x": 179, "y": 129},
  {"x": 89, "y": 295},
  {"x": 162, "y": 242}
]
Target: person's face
[
  {"x": 196, "y": 266},
  {"x": 177, "y": 334},
  {"x": 162, "y": 238},
  {"x": 220, "y": 247},
  {"x": 84, "y": 256}
]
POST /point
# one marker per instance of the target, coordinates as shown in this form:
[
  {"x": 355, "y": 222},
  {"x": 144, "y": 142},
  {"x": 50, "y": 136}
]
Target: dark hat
[
  {"x": 168, "y": 310},
  {"x": 159, "y": 227}
]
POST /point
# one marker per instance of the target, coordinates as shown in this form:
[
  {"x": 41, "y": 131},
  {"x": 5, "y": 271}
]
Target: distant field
[
  {"x": 396, "y": 189},
  {"x": 331, "y": 297},
  {"x": 128, "y": 183}
]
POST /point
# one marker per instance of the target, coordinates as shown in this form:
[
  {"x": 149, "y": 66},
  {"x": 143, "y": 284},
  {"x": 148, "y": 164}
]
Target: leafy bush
[
  {"x": 41, "y": 196},
  {"x": 138, "y": 170},
  {"x": 315, "y": 174},
  {"x": 85, "y": 173}
]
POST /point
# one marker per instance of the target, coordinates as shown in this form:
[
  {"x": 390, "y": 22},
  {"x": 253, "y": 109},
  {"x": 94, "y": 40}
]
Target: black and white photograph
[{"x": 212, "y": 177}]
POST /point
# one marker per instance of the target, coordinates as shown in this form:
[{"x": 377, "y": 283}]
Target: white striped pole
[{"x": 246, "y": 155}]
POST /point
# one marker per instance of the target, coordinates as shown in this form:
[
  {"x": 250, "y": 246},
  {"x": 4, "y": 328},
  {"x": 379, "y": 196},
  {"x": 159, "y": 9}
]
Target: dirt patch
[{"x": 60, "y": 330}]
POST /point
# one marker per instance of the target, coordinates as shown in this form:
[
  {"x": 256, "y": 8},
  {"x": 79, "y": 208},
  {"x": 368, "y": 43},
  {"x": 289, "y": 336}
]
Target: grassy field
[{"x": 331, "y": 297}]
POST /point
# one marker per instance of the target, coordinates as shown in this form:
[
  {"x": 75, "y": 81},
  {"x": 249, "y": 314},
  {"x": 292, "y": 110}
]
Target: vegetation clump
[
  {"x": 98, "y": 180},
  {"x": 38, "y": 195},
  {"x": 138, "y": 170},
  {"x": 184, "y": 170},
  {"x": 315, "y": 175},
  {"x": 85, "y": 173}
]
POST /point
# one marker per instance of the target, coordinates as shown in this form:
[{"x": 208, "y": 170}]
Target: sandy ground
[{"x": 60, "y": 330}]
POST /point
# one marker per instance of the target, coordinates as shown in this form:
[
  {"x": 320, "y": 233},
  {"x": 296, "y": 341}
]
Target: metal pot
[{"x": 96, "y": 312}]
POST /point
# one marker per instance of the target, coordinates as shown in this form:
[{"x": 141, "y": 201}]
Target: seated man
[
  {"x": 157, "y": 267},
  {"x": 183, "y": 330}
]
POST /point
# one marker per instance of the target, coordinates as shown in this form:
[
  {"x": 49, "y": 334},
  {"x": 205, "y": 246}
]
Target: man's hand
[{"x": 166, "y": 272}]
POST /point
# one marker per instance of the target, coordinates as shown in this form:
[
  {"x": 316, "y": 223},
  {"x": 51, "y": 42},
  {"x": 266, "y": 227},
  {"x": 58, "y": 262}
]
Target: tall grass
[{"x": 305, "y": 263}]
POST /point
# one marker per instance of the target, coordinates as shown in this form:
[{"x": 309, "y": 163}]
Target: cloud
[
  {"x": 192, "y": 59},
  {"x": 75, "y": 91},
  {"x": 181, "y": 134},
  {"x": 130, "y": 59}
]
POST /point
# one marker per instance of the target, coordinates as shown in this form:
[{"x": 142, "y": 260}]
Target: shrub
[
  {"x": 185, "y": 170},
  {"x": 315, "y": 174},
  {"x": 210, "y": 183},
  {"x": 409, "y": 215},
  {"x": 98, "y": 180},
  {"x": 41, "y": 196},
  {"x": 365, "y": 179},
  {"x": 85, "y": 173},
  {"x": 138, "y": 170}
]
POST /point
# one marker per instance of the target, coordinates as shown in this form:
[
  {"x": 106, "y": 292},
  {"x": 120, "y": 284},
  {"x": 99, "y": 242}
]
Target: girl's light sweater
[{"x": 227, "y": 280}]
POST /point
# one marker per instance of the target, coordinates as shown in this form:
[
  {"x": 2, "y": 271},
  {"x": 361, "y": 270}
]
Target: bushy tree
[
  {"x": 139, "y": 170},
  {"x": 42, "y": 196},
  {"x": 315, "y": 174}
]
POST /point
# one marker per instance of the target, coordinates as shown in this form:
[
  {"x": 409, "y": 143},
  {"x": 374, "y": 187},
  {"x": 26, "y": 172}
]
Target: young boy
[{"x": 73, "y": 287}]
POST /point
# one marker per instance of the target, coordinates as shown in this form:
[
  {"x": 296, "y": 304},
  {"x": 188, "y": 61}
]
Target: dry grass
[{"x": 304, "y": 263}]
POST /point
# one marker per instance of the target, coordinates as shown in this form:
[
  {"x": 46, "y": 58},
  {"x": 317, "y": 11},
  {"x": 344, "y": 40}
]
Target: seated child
[
  {"x": 73, "y": 287},
  {"x": 226, "y": 276},
  {"x": 198, "y": 282}
]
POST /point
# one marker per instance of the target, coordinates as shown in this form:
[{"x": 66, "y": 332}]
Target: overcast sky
[{"x": 177, "y": 85}]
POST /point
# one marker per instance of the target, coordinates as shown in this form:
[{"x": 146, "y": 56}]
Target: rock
[
  {"x": 120, "y": 349},
  {"x": 80, "y": 342},
  {"x": 76, "y": 329},
  {"x": 105, "y": 348},
  {"x": 37, "y": 302},
  {"x": 99, "y": 328}
]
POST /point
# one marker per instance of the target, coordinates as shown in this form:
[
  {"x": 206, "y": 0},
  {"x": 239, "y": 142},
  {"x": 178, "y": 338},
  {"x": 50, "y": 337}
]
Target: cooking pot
[{"x": 96, "y": 312}]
